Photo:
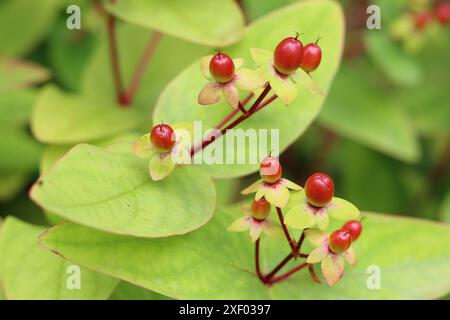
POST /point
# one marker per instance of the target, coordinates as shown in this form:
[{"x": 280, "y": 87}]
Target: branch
[
  {"x": 288, "y": 273},
  {"x": 112, "y": 39},
  {"x": 286, "y": 232}
]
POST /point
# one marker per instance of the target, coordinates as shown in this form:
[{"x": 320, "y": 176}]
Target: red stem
[
  {"x": 265, "y": 103},
  {"x": 250, "y": 112},
  {"x": 280, "y": 266},
  {"x": 286, "y": 231},
  {"x": 139, "y": 71},
  {"x": 257, "y": 265},
  {"x": 111, "y": 27},
  {"x": 288, "y": 273}
]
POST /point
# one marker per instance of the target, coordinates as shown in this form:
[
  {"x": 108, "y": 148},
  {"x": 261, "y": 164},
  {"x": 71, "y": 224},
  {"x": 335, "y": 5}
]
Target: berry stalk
[
  {"x": 114, "y": 56},
  {"x": 291, "y": 242},
  {"x": 287, "y": 274}
]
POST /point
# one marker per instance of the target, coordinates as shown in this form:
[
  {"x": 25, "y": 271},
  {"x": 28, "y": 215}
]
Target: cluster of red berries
[
  {"x": 440, "y": 12},
  {"x": 162, "y": 137},
  {"x": 340, "y": 240},
  {"x": 289, "y": 55}
]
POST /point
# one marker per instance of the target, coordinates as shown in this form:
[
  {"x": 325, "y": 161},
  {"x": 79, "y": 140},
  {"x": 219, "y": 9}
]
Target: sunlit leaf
[
  {"x": 228, "y": 272},
  {"x": 29, "y": 272},
  {"x": 110, "y": 189},
  {"x": 209, "y": 22},
  {"x": 17, "y": 74}
]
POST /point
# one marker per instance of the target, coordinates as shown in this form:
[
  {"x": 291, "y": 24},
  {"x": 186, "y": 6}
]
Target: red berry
[
  {"x": 288, "y": 55},
  {"x": 354, "y": 228},
  {"x": 339, "y": 241},
  {"x": 319, "y": 189},
  {"x": 270, "y": 170},
  {"x": 221, "y": 68},
  {"x": 312, "y": 56},
  {"x": 162, "y": 137},
  {"x": 422, "y": 19},
  {"x": 260, "y": 209},
  {"x": 442, "y": 13}
]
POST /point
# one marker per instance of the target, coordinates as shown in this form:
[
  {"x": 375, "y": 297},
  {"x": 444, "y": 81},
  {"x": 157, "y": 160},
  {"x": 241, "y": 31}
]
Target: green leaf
[
  {"x": 28, "y": 272},
  {"x": 209, "y": 22},
  {"x": 15, "y": 106},
  {"x": 17, "y": 74},
  {"x": 30, "y": 21},
  {"x": 127, "y": 291},
  {"x": 178, "y": 101},
  {"x": 369, "y": 117},
  {"x": 403, "y": 249},
  {"x": 20, "y": 152},
  {"x": 110, "y": 189},
  {"x": 98, "y": 81},
  {"x": 61, "y": 118},
  {"x": 397, "y": 65}
]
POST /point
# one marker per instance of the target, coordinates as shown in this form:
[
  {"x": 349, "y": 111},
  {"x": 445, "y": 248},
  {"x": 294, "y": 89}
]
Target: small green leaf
[
  {"x": 178, "y": 100},
  {"x": 17, "y": 74},
  {"x": 212, "y": 23},
  {"x": 29, "y": 272},
  {"x": 15, "y": 106},
  {"x": 300, "y": 217},
  {"x": 161, "y": 165},
  {"x": 342, "y": 210},
  {"x": 110, "y": 189},
  {"x": 402, "y": 249},
  {"x": 61, "y": 118}
]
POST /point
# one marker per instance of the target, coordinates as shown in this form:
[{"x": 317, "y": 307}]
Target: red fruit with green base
[
  {"x": 260, "y": 209},
  {"x": 288, "y": 55},
  {"x": 270, "y": 170},
  {"x": 162, "y": 137},
  {"x": 339, "y": 241},
  {"x": 319, "y": 189},
  {"x": 421, "y": 20},
  {"x": 354, "y": 228},
  {"x": 221, "y": 68}
]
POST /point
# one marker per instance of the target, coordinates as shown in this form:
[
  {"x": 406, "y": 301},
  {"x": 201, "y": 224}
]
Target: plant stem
[
  {"x": 265, "y": 103},
  {"x": 250, "y": 112},
  {"x": 313, "y": 274},
  {"x": 286, "y": 232},
  {"x": 280, "y": 266},
  {"x": 287, "y": 274},
  {"x": 257, "y": 265},
  {"x": 114, "y": 55},
  {"x": 139, "y": 71}
]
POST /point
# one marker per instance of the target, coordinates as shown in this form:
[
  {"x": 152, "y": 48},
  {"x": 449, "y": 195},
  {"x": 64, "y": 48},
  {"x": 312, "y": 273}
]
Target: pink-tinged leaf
[
  {"x": 255, "y": 230},
  {"x": 143, "y": 148},
  {"x": 317, "y": 255},
  {"x": 283, "y": 87},
  {"x": 261, "y": 57},
  {"x": 240, "y": 225},
  {"x": 248, "y": 80},
  {"x": 278, "y": 195},
  {"x": 272, "y": 230},
  {"x": 231, "y": 94},
  {"x": 291, "y": 185},
  {"x": 238, "y": 62},
  {"x": 322, "y": 219},
  {"x": 210, "y": 94},
  {"x": 316, "y": 237},
  {"x": 341, "y": 209},
  {"x": 204, "y": 66},
  {"x": 252, "y": 188},
  {"x": 300, "y": 217},
  {"x": 350, "y": 256},
  {"x": 161, "y": 165},
  {"x": 332, "y": 268},
  {"x": 16, "y": 74}
]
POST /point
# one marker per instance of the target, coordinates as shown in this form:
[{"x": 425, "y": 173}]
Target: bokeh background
[{"x": 383, "y": 134}]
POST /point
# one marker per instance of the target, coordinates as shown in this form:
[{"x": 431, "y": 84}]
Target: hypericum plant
[{"x": 290, "y": 63}]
